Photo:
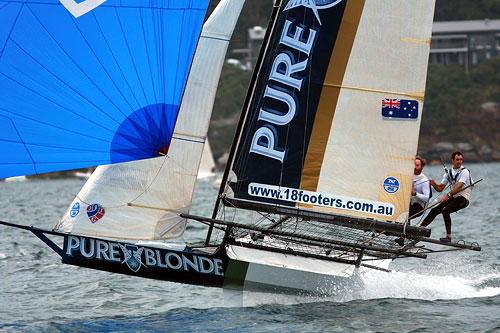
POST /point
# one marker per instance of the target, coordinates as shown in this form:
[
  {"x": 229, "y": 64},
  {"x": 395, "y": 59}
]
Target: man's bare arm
[{"x": 437, "y": 187}]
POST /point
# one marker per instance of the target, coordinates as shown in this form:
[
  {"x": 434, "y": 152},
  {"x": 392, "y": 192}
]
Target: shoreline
[{"x": 439, "y": 151}]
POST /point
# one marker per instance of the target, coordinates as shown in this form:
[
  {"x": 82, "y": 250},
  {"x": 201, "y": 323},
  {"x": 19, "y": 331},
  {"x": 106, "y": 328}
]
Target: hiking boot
[{"x": 445, "y": 240}]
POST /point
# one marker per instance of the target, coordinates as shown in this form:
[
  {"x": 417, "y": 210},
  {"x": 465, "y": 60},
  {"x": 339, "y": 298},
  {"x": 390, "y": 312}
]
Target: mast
[{"x": 244, "y": 112}]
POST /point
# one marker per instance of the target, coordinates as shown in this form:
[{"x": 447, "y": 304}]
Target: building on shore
[{"x": 465, "y": 43}]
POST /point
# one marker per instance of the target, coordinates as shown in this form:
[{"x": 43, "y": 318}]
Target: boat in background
[
  {"x": 84, "y": 174},
  {"x": 207, "y": 164},
  {"x": 317, "y": 185},
  {"x": 16, "y": 179}
]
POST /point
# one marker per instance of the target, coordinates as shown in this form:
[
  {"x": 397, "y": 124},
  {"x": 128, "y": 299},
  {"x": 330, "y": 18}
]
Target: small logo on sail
[
  {"x": 77, "y": 9},
  {"x": 391, "y": 185},
  {"x": 132, "y": 256},
  {"x": 95, "y": 212},
  {"x": 75, "y": 210},
  {"x": 315, "y": 5}
]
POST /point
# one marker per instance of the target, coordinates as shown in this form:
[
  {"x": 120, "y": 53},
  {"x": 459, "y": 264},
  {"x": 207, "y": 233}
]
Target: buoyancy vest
[{"x": 465, "y": 193}]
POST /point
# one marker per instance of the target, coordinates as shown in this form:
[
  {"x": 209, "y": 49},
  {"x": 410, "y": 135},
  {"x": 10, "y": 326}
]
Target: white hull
[
  {"x": 278, "y": 272},
  {"x": 83, "y": 175},
  {"x": 16, "y": 179}
]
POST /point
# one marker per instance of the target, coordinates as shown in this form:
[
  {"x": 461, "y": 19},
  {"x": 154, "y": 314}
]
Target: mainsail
[
  {"x": 143, "y": 199},
  {"x": 335, "y": 110}
]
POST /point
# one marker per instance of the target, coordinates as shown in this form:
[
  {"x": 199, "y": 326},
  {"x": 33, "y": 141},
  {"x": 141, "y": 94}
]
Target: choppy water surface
[{"x": 452, "y": 291}]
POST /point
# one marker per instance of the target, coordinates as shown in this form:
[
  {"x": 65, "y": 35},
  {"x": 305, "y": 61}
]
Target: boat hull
[
  {"x": 285, "y": 273},
  {"x": 160, "y": 263},
  {"x": 227, "y": 266}
]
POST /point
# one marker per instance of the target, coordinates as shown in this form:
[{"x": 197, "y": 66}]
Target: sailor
[
  {"x": 421, "y": 189},
  {"x": 420, "y": 193},
  {"x": 459, "y": 178}
]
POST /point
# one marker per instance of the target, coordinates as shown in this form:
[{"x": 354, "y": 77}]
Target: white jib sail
[{"x": 159, "y": 189}]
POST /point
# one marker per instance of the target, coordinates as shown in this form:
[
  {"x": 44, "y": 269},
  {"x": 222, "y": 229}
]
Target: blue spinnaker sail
[{"x": 85, "y": 83}]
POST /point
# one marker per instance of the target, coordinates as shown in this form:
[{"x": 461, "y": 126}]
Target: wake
[
  {"x": 445, "y": 279},
  {"x": 428, "y": 287}
]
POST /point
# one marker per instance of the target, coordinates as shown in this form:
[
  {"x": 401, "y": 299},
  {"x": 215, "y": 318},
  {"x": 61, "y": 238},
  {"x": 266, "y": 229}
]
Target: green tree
[
  {"x": 453, "y": 100},
  {"x": 456, "y": 10},
  {"x": 231, "y": 93}
]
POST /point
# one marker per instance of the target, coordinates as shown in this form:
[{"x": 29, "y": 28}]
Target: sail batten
[{"x": 416, "y": 95}]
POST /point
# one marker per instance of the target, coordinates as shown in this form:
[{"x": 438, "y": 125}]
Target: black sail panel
[{"x": 280, "y": 117}]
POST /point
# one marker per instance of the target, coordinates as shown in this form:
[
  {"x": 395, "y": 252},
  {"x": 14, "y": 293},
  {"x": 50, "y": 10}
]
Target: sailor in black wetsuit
[{"x": 459, "y": 177}]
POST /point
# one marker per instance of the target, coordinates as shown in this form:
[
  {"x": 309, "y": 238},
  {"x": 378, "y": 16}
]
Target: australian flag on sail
[{"x": 399, "y": 109}]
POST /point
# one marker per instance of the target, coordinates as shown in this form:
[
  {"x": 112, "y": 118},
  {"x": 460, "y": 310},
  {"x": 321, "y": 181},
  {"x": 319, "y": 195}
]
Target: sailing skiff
[{"x": 323, "y": 152}]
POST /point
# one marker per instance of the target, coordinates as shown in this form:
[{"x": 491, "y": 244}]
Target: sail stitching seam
[
  {"x": 81, "y": 71},
  {"x": 132, "y": 59},
  {"x": 115, "y": 60},
  {"x": 102, "y": 65},
  {"x": 11, "y": 29},
  {"x": 55, "y": 103}
]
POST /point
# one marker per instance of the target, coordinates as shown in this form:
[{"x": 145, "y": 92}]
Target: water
[{"x": 450, "y": 292}]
